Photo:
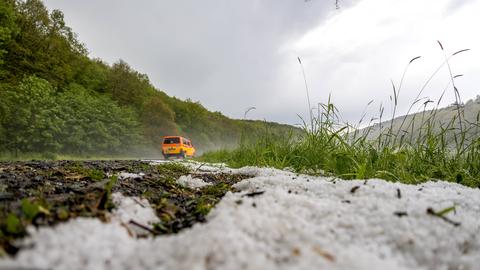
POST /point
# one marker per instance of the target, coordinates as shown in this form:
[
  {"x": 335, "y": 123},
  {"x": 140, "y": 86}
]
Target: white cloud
[{"x": 355, "y": 52}]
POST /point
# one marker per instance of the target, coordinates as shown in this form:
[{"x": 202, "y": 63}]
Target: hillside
[
  {"x": 56, "y": 100},
  {"x": 441, "y": 120}
]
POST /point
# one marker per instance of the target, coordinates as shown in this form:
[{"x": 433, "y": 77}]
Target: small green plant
[
  {"x": 105, "y": 202},
  {"x": 92, "y": 174},
  {"x": 30, "y": 209},
  {"x": 14, "y": 225},
  {"x": 95, "y": 175}
]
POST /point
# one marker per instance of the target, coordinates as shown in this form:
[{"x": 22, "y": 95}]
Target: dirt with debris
[{"x": 44, "y": 193}]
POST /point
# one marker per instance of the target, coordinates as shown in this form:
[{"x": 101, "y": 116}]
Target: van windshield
[{"x": 171, "y": 140}]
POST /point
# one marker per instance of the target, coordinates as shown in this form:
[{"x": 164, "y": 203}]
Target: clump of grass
[
  {"x": 419, "y": 150},
  {"x": 172, "y": 168}
]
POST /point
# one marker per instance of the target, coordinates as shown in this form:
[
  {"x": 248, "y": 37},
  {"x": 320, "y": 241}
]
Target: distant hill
[
  {"x": 55, "y": 100},
  {"x": 414, "y": 125}
]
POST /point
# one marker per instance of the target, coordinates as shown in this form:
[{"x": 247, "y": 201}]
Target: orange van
[{"x": 177, "y": 146}]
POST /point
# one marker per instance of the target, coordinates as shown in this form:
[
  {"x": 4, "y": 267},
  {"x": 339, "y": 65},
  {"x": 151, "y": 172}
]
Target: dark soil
[{"x": 44, "y": 193}]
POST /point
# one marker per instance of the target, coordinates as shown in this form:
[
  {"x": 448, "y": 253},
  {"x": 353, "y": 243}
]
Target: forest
[{"x": 56, "y": 100}]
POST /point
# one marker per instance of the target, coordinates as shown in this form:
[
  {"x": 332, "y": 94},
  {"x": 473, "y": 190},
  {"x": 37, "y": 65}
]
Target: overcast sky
[{"x": 231, "y": 55}]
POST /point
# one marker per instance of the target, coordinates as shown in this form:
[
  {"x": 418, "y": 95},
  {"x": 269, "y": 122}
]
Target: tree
[
  {"x": 44, "y": 45},
  {"x": 31, "y": 122},
  {"x": 158, "y": 119},
  {"x": 7, "y": 26},
  {"x": 93, "y": 74},
  {"x": 95, "y": 124},
  {"x": 128, "y": 86}
]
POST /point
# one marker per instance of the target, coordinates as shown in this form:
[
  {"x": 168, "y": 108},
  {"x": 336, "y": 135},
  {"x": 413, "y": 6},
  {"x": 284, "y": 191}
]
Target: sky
[{"x": 232, "y": 55}]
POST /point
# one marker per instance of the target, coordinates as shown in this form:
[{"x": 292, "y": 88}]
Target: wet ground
[{"x": 44, "y": 193}]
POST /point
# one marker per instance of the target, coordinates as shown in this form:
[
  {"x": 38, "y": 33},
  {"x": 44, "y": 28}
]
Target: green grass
[
  {"x": 328, "y": 147},
  {"x": 329, "y": 150}
]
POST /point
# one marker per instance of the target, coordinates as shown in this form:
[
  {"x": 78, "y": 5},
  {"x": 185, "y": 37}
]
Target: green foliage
[
  {"x": 7, "y": 27},
  {"x": 31, "y": 121},
  {"x": 93, "y": 75},
  {"x": 127, "y": 86},
  {"x": 73, "y": 121},
  {"x": 95, "y": 124},
  {"x": 43, "y": 46}
]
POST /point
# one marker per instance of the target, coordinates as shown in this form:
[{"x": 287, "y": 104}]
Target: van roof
[{"x": 175, "y": 137}]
